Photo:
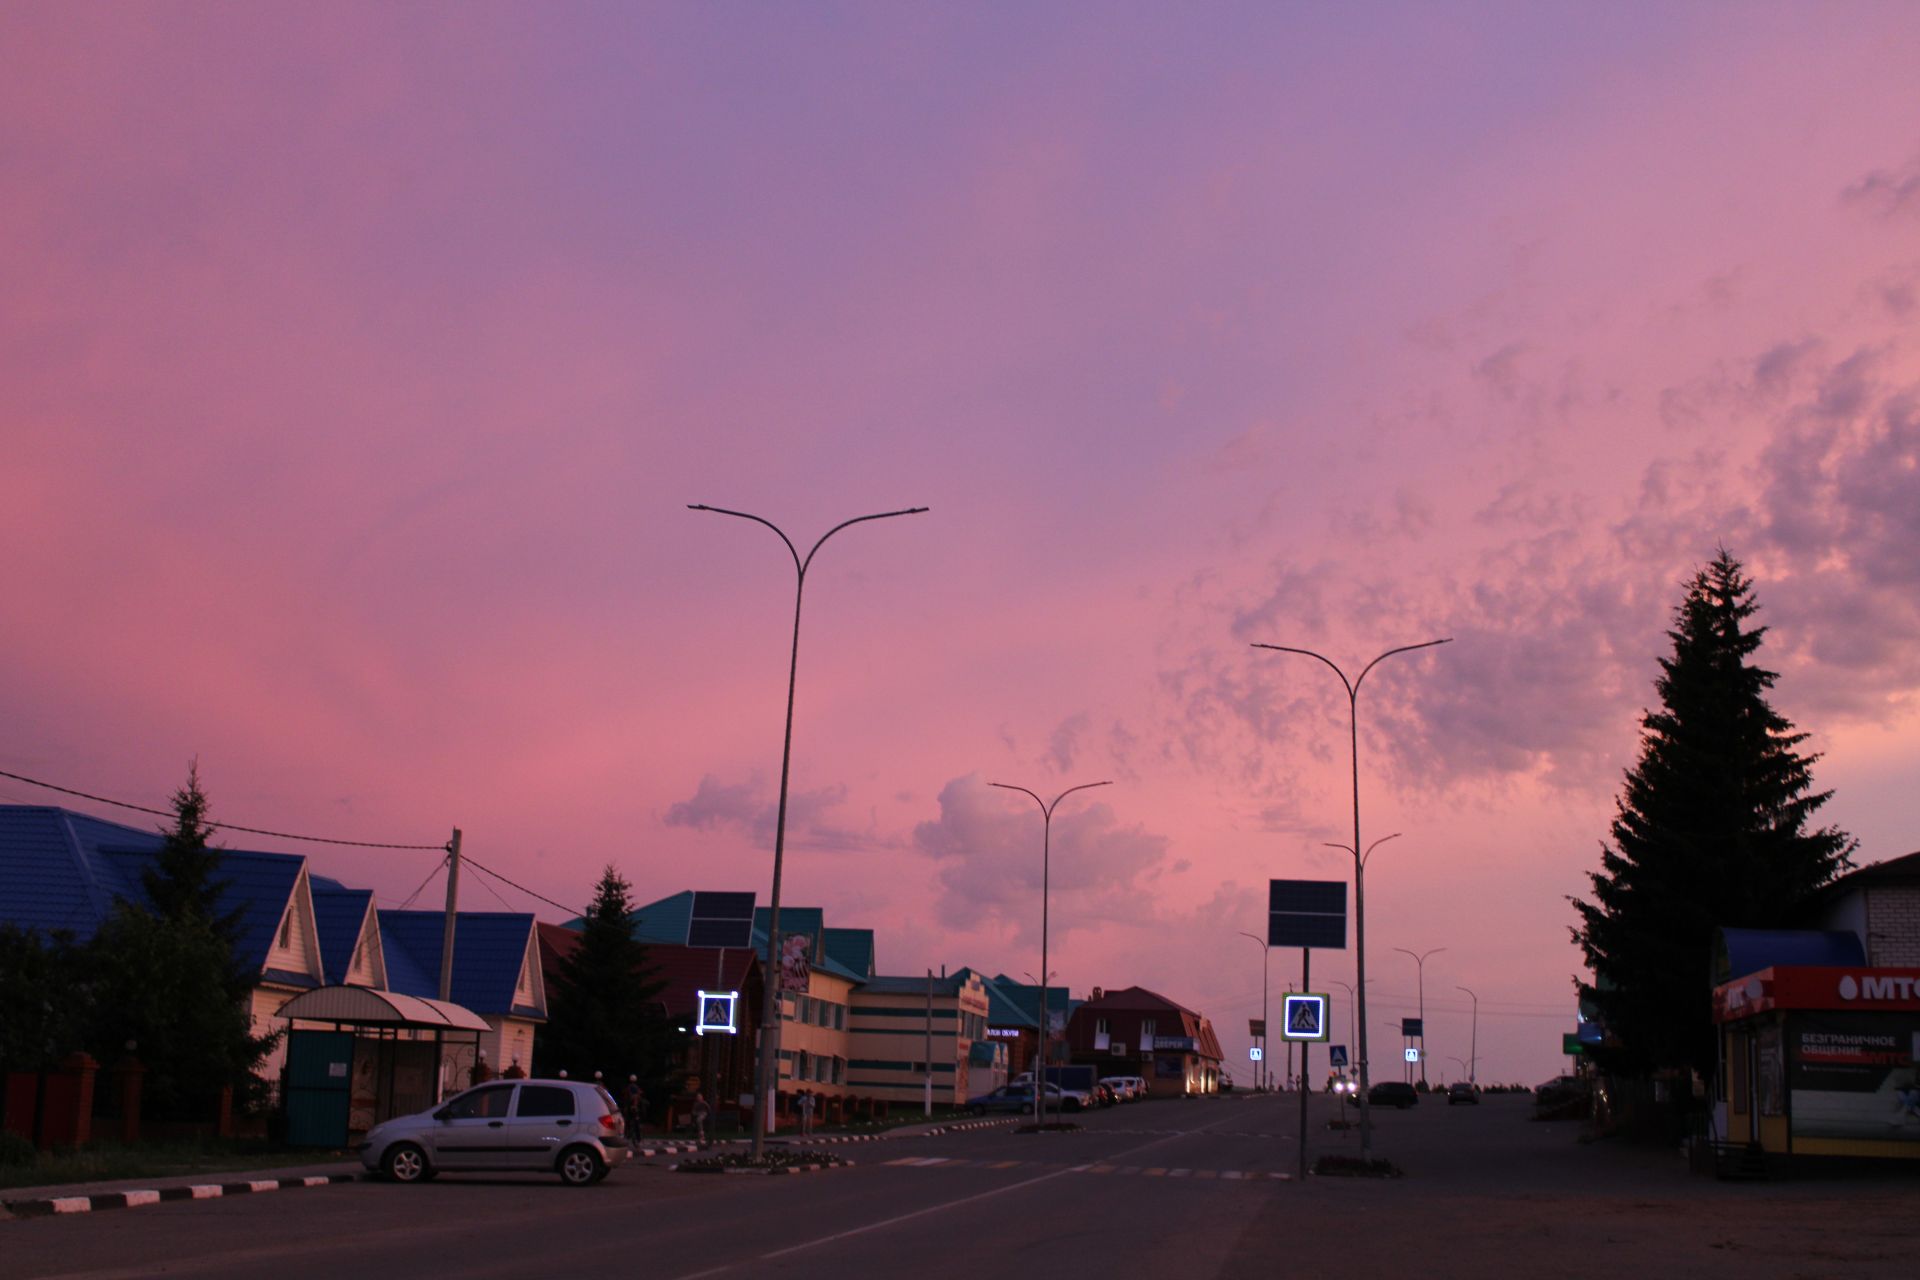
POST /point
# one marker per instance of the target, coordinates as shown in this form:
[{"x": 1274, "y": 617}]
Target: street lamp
[
  {"x": 1473, "y": 1053},
  {"x": 1359, "y": 859},
  {"x": 1420, "y": 963},
  {"x": 1351, "y": 1020},
  {"x": 1046, "y": 858},
  {"x": 1266, "y": 953},
  {"x": 770, "y": 1019}
]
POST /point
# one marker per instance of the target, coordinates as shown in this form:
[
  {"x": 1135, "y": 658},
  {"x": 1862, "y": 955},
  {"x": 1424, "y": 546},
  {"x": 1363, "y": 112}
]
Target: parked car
[
  {"x": 1461, "y": 1093},
  {"x": 1393, "y": 1093},
  {"x": 1014, "y": 1098},
  {"x": 1104, "y": 1095},
  {"x": 567, "y": 1127},
  {"x": 1122, "y": 1087}
]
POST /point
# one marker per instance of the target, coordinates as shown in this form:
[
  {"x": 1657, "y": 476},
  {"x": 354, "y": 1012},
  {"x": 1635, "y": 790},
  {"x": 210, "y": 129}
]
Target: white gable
[{"x": 296, "y": 942}]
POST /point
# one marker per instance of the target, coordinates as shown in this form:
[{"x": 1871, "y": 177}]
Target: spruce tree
[
  {"x": 605, "y": 1012},
  {"x": 1711, "y": 830},
  {"x": 164, "y": 976}
]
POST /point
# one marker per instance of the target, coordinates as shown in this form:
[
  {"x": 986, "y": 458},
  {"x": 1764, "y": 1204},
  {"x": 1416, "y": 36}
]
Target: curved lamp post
[
  {"x": 770, "y": 1020},
  {"x": 1359, "y": 894},
  {"x": 1266, "y": 953},
  {"x": 1046, "y": 857},
  {"x": 1420, "y": 963},
  {"x": 1352, "y": 1045},
  {"x": 1473, "y": 1052}
]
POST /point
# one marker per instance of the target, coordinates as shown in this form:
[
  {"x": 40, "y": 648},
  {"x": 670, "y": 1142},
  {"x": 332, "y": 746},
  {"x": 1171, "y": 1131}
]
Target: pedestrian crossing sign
[{"x": 1304, "y": 1016}]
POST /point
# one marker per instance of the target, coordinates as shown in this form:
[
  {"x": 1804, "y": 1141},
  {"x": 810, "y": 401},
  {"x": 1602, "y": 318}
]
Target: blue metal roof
[
  {"x": 340, "y": 913},
  {"x": 489, "y": 948},
  {"x": 1001, "y": 1010},
  {"x": 63, "y": 870},
  {"x": 851, "y": 949},
  {"x": 1745, "y": 951}
]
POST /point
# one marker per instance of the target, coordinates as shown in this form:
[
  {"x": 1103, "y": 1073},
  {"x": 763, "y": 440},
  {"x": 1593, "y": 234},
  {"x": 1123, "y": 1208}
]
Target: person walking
[
  {"x": 700, "y": 1112},
  {"x": 805, "y": 1103},
  {"x": 634, "y": 1103}
]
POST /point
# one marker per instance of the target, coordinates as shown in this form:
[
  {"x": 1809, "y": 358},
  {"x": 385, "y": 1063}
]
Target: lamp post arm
[
  {"x": 1352, "y": 686},
  {"x": 1405, "y": 648},
  {"x": 879, "y": 515}
]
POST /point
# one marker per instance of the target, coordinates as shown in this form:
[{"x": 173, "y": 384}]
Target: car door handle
[
  {"x": 495, "y": 1124},
  {"x": 564, "y": 1123}
]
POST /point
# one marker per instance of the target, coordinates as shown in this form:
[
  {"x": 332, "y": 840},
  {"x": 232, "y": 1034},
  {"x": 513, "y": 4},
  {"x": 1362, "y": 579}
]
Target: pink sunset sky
[{"x": 360, "y": 362}]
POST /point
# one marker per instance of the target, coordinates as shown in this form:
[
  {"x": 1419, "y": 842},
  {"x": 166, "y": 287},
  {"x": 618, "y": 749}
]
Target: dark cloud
[{"x": 1888, "y": 192}]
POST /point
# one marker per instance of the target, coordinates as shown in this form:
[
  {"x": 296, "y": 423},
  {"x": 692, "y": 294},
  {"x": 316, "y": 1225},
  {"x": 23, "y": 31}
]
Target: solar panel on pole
[{"x": 720, "y": 920}]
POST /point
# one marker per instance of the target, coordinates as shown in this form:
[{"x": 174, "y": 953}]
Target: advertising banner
[
  {"x": 795, "y": 968},
  {"x": 1853, "y": 1075}
]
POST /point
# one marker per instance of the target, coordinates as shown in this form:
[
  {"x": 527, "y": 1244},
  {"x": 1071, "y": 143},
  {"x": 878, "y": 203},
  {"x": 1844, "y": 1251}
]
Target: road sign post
[{"x": 1306, "y": 914}]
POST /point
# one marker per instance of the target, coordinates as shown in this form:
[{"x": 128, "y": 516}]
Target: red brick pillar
[
  {"x": 223, "y": 1119},
  {"x": 68, "y": 1118}
]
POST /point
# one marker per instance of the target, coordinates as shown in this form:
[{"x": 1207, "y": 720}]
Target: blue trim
[{"x": 861, "y": 1064}]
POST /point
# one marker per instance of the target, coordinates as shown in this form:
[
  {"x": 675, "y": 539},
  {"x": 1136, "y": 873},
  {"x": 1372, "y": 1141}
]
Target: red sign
[{"x": 1817, "y": 987}]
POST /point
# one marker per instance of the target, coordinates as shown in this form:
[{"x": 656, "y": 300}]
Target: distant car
[
  {"x": 1014, "y": 1098},
  {"x": 1393, "y": 1093},
  {"x": 567, "y": 1127},
  {"x": 1104, "y": 1095},
  {"x": 1226, "y": 1082},
  {"x": 1461, "y": 1093},
  {"x": 1122, "y": 1087}
]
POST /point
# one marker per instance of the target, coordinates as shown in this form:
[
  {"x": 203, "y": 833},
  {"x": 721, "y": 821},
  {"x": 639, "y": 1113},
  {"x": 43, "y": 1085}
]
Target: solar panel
[
  {"x": 1307, "y": 913},
  {"x": 720, "y": 920}
]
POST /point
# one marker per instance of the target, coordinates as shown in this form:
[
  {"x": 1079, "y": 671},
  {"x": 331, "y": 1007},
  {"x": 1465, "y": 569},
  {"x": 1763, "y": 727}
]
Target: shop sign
[{"x": 1853, "y": 1074}]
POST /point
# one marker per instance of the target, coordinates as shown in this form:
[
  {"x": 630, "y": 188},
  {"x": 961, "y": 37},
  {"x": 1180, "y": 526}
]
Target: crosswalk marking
[{"x": 1095, "y": 1167}]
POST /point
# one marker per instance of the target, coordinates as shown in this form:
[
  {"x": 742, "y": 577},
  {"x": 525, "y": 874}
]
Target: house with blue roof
[
  {"x": 63, "y": 871},
  {"x": 496, "y": 974}
]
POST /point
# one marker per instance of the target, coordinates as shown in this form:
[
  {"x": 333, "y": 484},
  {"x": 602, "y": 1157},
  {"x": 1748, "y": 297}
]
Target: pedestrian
[
  {"x": 634, "y": 1103},
  {"x": 805, "y": 1103},
  {"x": 700, "y": 1111}
]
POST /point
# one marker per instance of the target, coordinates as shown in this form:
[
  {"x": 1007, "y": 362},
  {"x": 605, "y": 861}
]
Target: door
[
  {"x": 544, "y": 1120},
  {"x": 319, "y": 1087},
  {"x": 471, "y": 1131}
]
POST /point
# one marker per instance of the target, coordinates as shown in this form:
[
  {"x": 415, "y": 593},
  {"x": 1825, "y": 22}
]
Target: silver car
[{"x": 567, "y": 1127}]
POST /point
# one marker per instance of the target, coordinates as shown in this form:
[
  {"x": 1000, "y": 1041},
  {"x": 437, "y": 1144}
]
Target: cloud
[
  {"x": 749, "y": 808},
  {"x": 986, "y": 848},
  {"x": 1888, "y": 192},
  {"x": 1064, "y": 745}
]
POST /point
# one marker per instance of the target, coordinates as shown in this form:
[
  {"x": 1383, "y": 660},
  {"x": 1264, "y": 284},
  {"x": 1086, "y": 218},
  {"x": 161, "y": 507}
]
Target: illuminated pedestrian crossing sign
[
  {"x": 1304, "y": 1016},
  {"x": 1254, "y": 1053},
  {"x": 1413, "y": 1054},
  {"x": 716, "y": 1012}
]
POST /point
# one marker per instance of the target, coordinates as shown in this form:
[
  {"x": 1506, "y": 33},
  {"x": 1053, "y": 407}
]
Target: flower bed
[
  {"x": 775, "y": 1160},
  {"x": 1355, "y": 1167}
]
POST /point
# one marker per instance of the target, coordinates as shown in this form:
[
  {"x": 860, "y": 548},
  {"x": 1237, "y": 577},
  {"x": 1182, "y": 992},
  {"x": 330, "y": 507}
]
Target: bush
[{"x": 16, "y": 1151}]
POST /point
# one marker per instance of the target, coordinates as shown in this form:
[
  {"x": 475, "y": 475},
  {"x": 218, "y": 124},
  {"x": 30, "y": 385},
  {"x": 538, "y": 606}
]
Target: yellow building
[{"x": 903, "y": 1025}]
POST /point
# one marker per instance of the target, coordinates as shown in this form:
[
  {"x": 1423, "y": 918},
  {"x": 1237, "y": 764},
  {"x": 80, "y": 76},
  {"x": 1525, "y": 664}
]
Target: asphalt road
[{"x": 1164, "y": 1189}]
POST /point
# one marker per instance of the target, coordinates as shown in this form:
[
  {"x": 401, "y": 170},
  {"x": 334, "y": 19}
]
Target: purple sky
[{"x": 360, "y": 363}]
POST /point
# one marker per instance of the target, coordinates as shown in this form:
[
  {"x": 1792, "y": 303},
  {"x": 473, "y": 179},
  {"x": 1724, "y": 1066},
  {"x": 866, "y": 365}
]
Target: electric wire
[
  {"x": 522, "y": 888},
  {"x": 224, "y": 826},
  {"x": 437, "y": 869}
]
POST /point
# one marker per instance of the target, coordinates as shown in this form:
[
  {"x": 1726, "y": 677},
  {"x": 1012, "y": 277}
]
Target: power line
[
  {"x": 522, "y": 888},
  {"x": 224, "y": 826},
  {"x": 437, "y": 869}
]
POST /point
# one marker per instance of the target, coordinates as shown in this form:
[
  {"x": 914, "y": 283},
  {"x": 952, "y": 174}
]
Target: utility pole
[
  {"x": 453, "y": 911},
  {"x": 929, "y": 1107}
]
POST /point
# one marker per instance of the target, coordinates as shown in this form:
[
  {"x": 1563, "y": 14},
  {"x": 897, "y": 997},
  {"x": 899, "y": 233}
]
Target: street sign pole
[{"x": 1306, "y": 984}]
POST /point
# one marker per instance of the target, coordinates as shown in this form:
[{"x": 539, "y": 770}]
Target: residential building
[{"x": 1134, "y": 1031}]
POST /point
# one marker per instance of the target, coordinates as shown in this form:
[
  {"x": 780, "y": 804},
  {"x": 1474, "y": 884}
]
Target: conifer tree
[
  {"x": 1711, "y": 830},
  {"x": 605, "y": 1012},
  {"x": 184, "y": 880}
]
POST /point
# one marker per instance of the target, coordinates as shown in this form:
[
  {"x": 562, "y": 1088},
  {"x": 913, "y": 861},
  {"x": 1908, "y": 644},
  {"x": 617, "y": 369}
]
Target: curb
[
  {"x": 768, "y": 1173},
  {"x": 135, "y": 1199},
  {"x": 667, "y": 1149}
]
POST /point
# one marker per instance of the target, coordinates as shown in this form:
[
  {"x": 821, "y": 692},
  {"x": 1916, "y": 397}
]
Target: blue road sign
[
  {"x": 1337, "y": 1055},
  {"x": 1304, "y": 1016}
]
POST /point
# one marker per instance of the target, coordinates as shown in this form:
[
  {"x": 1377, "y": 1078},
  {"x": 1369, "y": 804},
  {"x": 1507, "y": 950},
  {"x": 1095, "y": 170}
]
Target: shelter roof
[{"x": 365, "y": 1007}]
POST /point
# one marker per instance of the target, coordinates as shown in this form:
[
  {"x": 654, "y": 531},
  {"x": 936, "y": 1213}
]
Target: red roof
[{"x": 687, "y": 971}]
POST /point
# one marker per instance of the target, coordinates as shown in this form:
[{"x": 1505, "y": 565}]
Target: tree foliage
[
  {"x": 1711, "y": 830},
  {"x": 43, "y": 998},
  {"x": 605, "y": 1013},
  {"x": 164, "y": 977}
]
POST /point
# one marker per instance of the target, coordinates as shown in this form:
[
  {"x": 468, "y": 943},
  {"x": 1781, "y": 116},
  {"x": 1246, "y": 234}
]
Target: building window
[
  {"x": 1099, "y": 1029},
  {"x": 286, "y": 930}
]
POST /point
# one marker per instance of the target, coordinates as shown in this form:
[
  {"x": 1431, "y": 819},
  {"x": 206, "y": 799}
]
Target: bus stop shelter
[{"x": 381, "y": 1057}]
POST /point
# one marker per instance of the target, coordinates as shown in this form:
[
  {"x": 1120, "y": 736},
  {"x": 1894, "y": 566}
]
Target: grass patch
[{"x": 111, "y": 1162}]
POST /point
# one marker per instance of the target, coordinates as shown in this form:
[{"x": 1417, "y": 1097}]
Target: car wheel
[
  {"x": 580, "y": 1166},
  {"x": 404, "y": 1162}
]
